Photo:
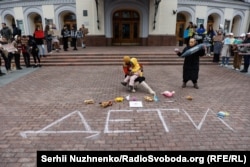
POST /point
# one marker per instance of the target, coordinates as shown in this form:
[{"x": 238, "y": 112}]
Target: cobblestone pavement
[{"x": 45, "y": 110}]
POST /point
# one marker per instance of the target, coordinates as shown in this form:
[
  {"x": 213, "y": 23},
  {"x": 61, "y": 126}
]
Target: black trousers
[
  {"x": 216, "y": 57},
  {"x": 26, "y": 57},
  {"x": 65, "y": 43},
  {"x": 74, "y": 43},
  {"x": 35, "y": 57},
  {"x": 246, "y": 59},
  {"x": 17, "y": 59},
  {"x": 6, "y": 63}
]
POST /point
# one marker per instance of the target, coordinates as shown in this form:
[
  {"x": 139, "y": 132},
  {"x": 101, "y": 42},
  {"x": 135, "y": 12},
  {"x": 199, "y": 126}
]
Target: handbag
[{"x": 185, "y": 35}]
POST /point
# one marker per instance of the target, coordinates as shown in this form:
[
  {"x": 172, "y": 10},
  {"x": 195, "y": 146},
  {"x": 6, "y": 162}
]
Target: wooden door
[
  {"x": 125, "y": 28},
  {"x": 180, "y": 27}
]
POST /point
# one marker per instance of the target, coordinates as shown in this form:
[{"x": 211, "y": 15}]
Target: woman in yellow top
[{"x": 134, "y": 73}]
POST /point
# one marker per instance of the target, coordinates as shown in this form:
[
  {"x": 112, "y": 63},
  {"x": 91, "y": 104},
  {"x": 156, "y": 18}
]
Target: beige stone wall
[
  {"x": 90, "y": 21},
  {"x": 48, "y": 12},
  {"x": 165, "y": 19}
]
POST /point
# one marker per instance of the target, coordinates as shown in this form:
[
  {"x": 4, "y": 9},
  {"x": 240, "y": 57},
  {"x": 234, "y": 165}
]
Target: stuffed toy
[
  {"x": 148, "y": 98},
  {"x": 90, "y": 101},
  {"x": 168, "y": 93},
  {"x": 105, "y": 104},
  {"x": 119, "y": 99}
]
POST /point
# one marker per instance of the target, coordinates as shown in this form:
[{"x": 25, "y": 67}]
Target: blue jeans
[
  {"x": 41, "y": 50},
  {"x": 225, "y": 60}
]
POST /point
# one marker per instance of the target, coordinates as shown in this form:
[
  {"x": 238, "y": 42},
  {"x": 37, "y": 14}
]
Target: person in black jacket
[
  {"x": 6, "y": 33},
  {"x": 191, "y": 64},
  {"x": 33, "y": 49},
  {"x": 73, "y": 34},
  {"x": 65, "y": 35},
  {"x": 16, "y": 31}
]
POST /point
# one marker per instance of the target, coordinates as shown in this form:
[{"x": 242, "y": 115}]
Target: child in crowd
[
  {"x": 34, "y": 51},
  {"x": 25, "y": 53}
]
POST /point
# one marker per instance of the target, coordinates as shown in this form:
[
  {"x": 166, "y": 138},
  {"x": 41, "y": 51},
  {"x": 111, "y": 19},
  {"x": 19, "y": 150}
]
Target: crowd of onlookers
[
  {"x": 223, "y": 46},
  {"x": 13, "y": 44}
]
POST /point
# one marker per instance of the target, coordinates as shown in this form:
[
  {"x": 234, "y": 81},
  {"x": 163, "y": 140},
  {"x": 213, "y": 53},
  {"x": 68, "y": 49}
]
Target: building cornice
[
  {"x": 234, "y": 4},
  {"x": 24, "y": 3}
]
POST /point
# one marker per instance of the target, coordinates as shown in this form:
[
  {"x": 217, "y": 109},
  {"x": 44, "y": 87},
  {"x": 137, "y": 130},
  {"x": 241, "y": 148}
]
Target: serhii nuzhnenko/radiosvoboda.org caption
[{"x": 78, "y": 158}]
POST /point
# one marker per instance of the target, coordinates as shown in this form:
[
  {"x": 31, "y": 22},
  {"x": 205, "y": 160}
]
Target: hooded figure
[{"x": 191, "y": 64}]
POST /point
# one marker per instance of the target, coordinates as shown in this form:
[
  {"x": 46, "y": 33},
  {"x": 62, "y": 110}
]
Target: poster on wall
[
  {"x": 226, "y": 26},
  {"x": 20, "y": 25},
  {"x": 199, "y": 22},
  {"x": 48, "y": 21}
]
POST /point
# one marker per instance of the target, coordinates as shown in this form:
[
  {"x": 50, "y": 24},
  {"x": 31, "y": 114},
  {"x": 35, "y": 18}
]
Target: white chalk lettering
[{"x": 110, "y": 122}]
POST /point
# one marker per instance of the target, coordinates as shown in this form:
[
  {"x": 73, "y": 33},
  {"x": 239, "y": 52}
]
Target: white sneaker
[
  {"x": 233, "y": 68},
  {"x": 221, "y": 65},
  {"x": 237, "y": 69},
  {"x": 226, "y": 65}
]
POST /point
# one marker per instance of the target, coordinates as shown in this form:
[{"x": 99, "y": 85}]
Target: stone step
[
  {"x": 83, "y": 60},
  {"x": 114, "y": 63},
  {"x": 80, "y": 59},
  {"x": 114, "y": 56}
]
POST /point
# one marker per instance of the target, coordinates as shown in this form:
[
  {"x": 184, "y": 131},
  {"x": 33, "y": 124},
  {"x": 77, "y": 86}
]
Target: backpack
[{"x": 17, "y": 31}]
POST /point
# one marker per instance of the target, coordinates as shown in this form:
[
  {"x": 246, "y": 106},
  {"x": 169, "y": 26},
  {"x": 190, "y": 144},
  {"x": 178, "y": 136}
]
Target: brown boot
[
  {"x": 196, "y": 86},
  {"x": 184, "y": 85}
]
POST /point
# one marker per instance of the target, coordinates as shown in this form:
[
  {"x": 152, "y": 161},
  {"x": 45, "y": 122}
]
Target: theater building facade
[{"x": 128, "y": 22}]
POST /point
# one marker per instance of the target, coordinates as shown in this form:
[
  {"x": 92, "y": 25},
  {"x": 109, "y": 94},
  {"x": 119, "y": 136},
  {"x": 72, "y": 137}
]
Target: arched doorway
[
  {"x": 180, "y": 27},
  {"x": 126, "y": 27},
  {"x": 70, "y": 20},
  {"x": 236, "y": 25},
  {"x": 34, "y": 20},
  {"x": 67, "y": 18},
  {"x": 210, "y": 21},
  {"x": 38, "y": 21},
  {"x": 9, "y": 20},
  {"x": 214, "y": 20}
]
